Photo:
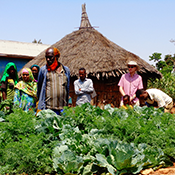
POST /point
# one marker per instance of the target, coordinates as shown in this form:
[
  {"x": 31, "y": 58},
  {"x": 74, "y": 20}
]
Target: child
[{"x": 126, "y": 102}]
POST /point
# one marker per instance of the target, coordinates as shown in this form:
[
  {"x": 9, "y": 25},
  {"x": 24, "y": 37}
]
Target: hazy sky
[{"x": 139, "y": 26}]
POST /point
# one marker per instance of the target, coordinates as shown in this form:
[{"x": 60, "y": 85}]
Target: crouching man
[{"x": 155, "y": 95}]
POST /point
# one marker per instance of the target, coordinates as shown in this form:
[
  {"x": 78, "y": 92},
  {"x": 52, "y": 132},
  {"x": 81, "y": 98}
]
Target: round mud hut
[{"x": 103, "y": 60}]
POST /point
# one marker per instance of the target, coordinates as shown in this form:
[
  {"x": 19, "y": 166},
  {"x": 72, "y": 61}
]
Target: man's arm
[
  {"x": 77, "y": 89},
  {"x": 88, "y": 89},
  {"x": 67, "y": 72},
  {"x": 121, "y": 91},
  {"x": 40, "y": 82},
  {"x": 121, "y": 85}
]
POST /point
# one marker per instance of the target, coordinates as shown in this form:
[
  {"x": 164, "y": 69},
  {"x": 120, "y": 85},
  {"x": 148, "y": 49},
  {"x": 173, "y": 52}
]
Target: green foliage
[
  {"x": 165, "y": 66},
  {"x": 155, "y": 57},
  {"x": 86, "y": 140},
  {"x": 6, "y": 107},
  {"x": 161, "y": 64},
  {"x": 166, "y": 84},
  {"x": 125, "y": 141},
  {"x": 169, "y": 59},
  {"x": 22, "y": 149}
]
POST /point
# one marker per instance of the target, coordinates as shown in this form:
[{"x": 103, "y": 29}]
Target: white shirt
[
  {"x": 83, "y": 95},
  {"x": 158, "y": 96}
]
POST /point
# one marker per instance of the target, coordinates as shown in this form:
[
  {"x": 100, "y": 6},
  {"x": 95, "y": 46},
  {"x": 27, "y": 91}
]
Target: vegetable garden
[{"x": 86, "y": 140}]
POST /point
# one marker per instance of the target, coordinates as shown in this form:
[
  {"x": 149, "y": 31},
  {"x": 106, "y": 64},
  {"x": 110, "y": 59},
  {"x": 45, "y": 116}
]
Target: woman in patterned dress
[{"x": 26, "y": 91}]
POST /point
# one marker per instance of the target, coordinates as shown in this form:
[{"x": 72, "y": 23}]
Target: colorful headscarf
[
  {"x": 54, "y": 65},
  {"x": 29, "y": 87},
  {"x": 35, "y": 65},
  {"x": 6, "y": 74},
  {"x": 56, "y": 52}
]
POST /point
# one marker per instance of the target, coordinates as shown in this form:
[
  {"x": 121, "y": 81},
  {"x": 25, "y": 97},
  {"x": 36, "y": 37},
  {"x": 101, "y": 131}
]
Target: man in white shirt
[
  {"x": 155, "y": 95},
  {"x": 83, "y": 88}
]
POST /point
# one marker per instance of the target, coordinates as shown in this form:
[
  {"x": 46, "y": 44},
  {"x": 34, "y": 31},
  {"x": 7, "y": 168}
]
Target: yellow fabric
[
  {"x": 29, "y": 87},
  {"x": 10, "y": 91},
  {"x": 126, "y": 107}
]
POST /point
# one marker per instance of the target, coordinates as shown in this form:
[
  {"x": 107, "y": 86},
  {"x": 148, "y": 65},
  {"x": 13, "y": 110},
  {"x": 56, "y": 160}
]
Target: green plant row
[
  {"x": 86, "y": 140},
  {"x": 166, "y": 84}
]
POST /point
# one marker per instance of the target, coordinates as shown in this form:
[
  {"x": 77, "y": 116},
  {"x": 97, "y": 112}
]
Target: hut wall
[{"x": 107, "y": 92}]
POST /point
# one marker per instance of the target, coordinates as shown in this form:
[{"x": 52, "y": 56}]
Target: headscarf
[
  {"x": 54, "y": 65},
  {"x": 35, "y": 65},
  {"x": 6, "y": 74},
  {"x": 29, "y": 87}
]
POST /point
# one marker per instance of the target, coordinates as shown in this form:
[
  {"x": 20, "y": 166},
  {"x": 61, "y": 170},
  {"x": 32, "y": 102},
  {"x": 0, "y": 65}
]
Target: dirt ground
[{"x": 162, "y": 171}]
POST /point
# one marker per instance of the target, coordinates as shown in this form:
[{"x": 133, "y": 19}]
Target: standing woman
[
  {"x": 26, "y": 91},
  {"x": 130, "y": 83},
  {"x": 8, "y": 81}
]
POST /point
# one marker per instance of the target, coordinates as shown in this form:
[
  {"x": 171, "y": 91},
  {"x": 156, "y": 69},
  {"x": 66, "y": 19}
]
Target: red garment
[{"x": 53, "y": 66}]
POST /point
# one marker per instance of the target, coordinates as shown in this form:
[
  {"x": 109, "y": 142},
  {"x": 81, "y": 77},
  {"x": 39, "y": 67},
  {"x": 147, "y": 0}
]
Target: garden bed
[{"x": 87, "y": 140}]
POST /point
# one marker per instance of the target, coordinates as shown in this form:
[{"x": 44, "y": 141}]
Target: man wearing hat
[
  {"x": 130, "y": 82},
  {"x": 53, "y": 83}
]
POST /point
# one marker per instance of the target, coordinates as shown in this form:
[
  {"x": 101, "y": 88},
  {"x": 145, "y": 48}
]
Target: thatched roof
[{"x": 100, "y": 57}]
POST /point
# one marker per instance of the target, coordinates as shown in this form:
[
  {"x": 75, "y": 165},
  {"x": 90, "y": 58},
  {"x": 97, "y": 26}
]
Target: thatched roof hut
[{"x": 103, "y": 60}]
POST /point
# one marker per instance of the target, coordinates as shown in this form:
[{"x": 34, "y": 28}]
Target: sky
[{"x": 139, "y": 26}]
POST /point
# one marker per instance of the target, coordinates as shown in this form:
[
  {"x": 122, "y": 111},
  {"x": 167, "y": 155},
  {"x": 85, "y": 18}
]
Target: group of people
[
  {"x": 22, "y": 91},
  {"x": 48, "y": 87},
  {"x": 133, "y": 92}
]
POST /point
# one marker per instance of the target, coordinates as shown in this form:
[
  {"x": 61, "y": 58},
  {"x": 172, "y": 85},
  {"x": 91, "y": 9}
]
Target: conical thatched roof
[{"x": 100, "y": 57}]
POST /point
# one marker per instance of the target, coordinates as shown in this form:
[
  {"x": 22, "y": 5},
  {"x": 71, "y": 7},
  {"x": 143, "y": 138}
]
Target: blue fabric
[
  {"x": 147, "y": 104},
  {"x": 58, "y": 112},
  {"x": 24, "y": 101},
  {"x": 41, "y": 88},
  {"x": 70, "y": 100}
]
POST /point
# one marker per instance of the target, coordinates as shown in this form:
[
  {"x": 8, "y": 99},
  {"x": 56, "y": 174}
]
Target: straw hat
[{"x": 133, "y": 63}]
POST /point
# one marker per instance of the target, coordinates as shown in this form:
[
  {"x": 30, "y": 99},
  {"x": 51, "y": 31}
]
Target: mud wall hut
[{"x": 103, "y": 60}]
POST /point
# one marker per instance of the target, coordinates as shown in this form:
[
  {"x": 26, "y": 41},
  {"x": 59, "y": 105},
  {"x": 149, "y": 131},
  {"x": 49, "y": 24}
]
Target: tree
[
  {"x": 160, "y": 65},
  {"x": 155, "y": 57},
  {"x": 169, "y": 60},
  {"x": 163, "y": 66},
  {"x": 35, "y": 41}
]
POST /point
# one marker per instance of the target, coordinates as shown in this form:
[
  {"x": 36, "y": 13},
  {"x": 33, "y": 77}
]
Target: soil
[{"x": 161, "y": 171}]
